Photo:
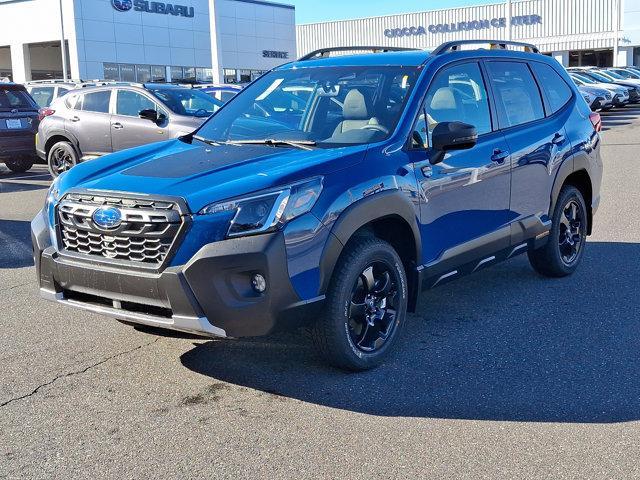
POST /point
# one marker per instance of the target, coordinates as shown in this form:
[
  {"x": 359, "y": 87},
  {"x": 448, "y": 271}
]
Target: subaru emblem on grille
[{"x": 107, "y": 218}]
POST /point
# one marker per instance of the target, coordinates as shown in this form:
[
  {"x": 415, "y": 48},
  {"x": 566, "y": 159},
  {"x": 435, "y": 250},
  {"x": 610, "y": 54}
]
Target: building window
[
  {"x": 245, "y": 76},
  {"x": 256, "y": 74},
  {"x": 204, "y": 75},
  {"x": 158, "y": 74},
  {"x": 127, "y": 73},
  {"x": 190, "y": 74},
  {"x": 591, "y": 58},
  {"x": 111, "y": 71},
  {"x": 143, "y": 73},
  {"x": 230, "y": 75},
  {"x": 176, "y": 74}
]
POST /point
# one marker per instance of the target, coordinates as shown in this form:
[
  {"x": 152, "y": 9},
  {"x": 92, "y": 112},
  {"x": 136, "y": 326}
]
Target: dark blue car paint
[{"x": 456, "y": 210}]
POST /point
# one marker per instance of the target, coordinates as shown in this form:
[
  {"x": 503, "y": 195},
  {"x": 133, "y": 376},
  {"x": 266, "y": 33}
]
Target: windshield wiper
[
  {"x": 272, "y": 142},
  {"x": 213, "y": 143}
]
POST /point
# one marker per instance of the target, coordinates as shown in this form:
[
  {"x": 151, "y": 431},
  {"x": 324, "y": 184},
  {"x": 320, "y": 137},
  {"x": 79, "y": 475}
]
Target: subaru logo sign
[
  {"x": 122, "y": 5},
  {"x": 107, "y": 218}
]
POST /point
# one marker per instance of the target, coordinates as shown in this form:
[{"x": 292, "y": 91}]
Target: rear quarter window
[{"x": 556, "y": 89}]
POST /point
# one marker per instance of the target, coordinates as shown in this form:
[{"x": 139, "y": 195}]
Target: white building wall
[
  {"x": 107, "y": 35},
  {"x": 566, "y": 25},
  {"x": 246, "y": 28}
]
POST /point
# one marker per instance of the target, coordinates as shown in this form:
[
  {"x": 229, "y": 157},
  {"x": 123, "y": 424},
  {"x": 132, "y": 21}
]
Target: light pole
[
  {"x": 63, "y": 46},
  {"x": 509, "y": 35}
]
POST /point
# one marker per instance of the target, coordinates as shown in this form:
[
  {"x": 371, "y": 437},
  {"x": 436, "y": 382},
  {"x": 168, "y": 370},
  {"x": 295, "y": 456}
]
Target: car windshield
[
  {"x": 628, "y": 74},
  {"x": 613, "y": 74},
  {"x": 13, "y": 99},
  {"x": 583, "y": 78},
  {"x": 185, "y": 101},
  {"x": 323, "y": 106},
  {"x": 601, "y": 77}
]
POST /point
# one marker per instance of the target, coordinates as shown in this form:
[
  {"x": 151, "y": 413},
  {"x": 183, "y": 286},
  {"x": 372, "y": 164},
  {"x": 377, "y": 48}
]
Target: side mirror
[
  {"x": 451, "y": 136},
  {"x": 149, "y": 115}
]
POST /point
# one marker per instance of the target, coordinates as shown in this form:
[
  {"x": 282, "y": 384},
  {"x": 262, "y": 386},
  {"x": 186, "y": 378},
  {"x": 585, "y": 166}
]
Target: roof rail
[
  {"x": 323, "y": 52},
  {"x": 494, "y": 45},
  {"x": 53, "y": 80}
]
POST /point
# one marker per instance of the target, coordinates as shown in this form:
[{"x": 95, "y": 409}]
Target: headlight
[{"x": 268, "y": 211}]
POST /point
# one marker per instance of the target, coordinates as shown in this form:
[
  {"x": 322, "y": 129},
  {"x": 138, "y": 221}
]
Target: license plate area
[{"x": 13, "y": 123}]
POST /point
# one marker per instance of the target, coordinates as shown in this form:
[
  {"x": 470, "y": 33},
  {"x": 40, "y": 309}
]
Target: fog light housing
[{"x": 259, "y": 283}]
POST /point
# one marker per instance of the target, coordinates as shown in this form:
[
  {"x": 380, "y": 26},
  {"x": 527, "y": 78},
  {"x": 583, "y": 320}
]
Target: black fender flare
[
  {"x": 386, "y": 204},
  {"x": 68, "y": 135},
  {"x": 567, "y": 169}
]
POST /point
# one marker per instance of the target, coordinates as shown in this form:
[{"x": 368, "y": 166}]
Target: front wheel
[
  {"x": 19, "y": 165},
  {"x": 366, "y": 306},
  {"x": 62, "y": 157},
  {"x": 564, "y": 250}
]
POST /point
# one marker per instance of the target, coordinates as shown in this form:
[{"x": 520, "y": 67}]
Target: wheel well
[
  {"x": 53, "y": 140},
  {"x": 582, "y": 182},
  {"x": 397, "y": 232}
]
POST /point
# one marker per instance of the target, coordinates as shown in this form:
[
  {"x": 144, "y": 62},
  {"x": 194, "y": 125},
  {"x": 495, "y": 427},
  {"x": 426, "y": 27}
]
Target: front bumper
[{"x": 210, "y": 295}]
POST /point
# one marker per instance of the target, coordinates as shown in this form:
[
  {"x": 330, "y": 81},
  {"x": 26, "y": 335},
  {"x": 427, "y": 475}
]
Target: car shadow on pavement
[
  {"x": 15, "y": 244},
  {"x": 503, "y": 344}
]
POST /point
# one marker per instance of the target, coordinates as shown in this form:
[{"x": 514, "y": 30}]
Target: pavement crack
[{"x": 78, "y": 372}]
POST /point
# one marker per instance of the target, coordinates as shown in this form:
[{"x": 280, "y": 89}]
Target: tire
[
  {"x": 61, "y": 157},
  {"x": 20, "y": 164},
  {"x": 564, "y": 250},
  {"x": 343, "y": 334}
]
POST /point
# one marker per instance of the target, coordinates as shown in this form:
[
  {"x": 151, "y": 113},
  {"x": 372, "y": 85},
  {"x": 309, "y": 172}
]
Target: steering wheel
[
  {"x": 377, "y": 128},
  {"x": 201, "y": 112}
]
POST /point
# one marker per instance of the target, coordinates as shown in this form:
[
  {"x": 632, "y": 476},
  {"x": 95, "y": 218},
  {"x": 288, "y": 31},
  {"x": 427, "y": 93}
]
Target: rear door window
[
  {"x": 96, "y": 101},
  {"x": 557, "y": 91},
  {"x": 517, "y": 96}
]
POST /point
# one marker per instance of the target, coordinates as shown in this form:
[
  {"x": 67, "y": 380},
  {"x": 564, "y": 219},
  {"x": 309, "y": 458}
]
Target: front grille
[{"x": 144, "y": 235}]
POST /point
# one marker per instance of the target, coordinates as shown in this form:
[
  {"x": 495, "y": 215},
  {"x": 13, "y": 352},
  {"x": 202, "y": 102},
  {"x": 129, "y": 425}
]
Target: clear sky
[{"x": 310, "y": 11}]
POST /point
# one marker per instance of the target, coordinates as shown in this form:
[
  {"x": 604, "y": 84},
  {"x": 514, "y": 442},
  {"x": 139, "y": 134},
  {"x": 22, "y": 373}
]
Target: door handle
[
  {"x": 117, "y": 126},
  {"x": 74, "y": 119},
  {"x": 499, "y": 156},
  {"x": 558, "y": 138}
]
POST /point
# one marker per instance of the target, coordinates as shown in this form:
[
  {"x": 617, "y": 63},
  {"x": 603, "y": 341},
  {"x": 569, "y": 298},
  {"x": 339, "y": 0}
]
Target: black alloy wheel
[
  {"x": 61, "y": 158},
  {"x": 572, "y": 232},
  {"x": 373, "y": 307}
]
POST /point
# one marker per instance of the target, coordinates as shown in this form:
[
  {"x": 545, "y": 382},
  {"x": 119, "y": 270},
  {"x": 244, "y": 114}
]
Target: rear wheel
[
  {"x": 366, "y": 307},
  {"x": 20, "y": 164},
  {"x": 61, "y": 157},
  {"x": 564, "y": 250}
]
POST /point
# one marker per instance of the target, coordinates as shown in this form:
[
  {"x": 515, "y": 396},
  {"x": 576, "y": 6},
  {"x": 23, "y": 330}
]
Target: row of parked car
[
  {"x": 66, "y": 122},
  {"x": 607, "y": 88}
]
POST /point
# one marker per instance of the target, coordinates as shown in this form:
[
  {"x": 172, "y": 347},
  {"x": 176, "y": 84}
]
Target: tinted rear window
[
  {"x": 557, "y": 91},
  {"x": 43, "y": 95},
  {"x": 11, "y": 98},
  {"x": 517, "y": 96}
]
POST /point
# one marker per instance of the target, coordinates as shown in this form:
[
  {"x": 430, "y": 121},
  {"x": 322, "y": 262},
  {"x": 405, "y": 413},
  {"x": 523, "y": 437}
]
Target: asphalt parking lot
[{"x": 503, "y": 374}]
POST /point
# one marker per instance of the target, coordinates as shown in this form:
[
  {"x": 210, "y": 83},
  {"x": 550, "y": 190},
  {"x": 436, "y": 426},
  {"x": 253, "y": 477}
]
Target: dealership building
[
  {"x": 141, "y": 40},
  {"x": 575, "y": 32}
]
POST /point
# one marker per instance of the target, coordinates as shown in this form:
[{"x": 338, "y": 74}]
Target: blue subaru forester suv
[{"x": 331, "y": 192}]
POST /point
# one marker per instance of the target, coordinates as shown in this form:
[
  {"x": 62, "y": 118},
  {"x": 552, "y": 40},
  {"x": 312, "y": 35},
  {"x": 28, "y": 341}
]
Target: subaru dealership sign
[
  {"x": 153, "y": 7},
  {"x": 462, "y": 26}
]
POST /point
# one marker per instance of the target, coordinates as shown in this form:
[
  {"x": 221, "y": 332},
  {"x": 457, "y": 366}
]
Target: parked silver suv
[{"x": 91, "y": 122}]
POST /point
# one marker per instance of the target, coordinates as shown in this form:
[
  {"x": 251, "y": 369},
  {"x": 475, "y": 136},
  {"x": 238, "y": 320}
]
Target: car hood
[{"x": 202, "y": 174}]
